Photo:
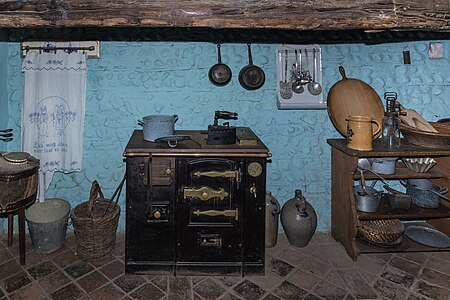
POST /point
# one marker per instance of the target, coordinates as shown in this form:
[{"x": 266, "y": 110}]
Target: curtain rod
[{"x": 52, "y": 48}]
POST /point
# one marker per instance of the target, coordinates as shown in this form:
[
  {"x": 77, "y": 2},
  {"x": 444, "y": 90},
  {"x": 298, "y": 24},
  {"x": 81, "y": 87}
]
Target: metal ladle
[
  {"x": 363, "y": 183},
  {"x": 297, "y": 86},
  {"x": 304, "y": 79},
  {"x": 314, "y": 88},
  {"x": 285, "y": 88}
]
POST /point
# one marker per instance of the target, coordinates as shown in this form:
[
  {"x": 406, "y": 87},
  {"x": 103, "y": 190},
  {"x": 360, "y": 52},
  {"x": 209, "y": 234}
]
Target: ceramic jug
[
  {"x": 272, "y": 212},
  {"x": 299, "y": 220},
  {"x": 360, "y": 133}
]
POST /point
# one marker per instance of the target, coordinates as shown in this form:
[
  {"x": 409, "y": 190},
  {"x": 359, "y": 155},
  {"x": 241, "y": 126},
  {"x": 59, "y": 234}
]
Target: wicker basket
[
  {"x": 381, "y": 231},
  {"x": 95, "y": 223}
]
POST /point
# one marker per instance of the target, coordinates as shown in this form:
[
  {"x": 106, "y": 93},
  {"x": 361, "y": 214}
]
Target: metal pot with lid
[{"x": 157, "y": 126}]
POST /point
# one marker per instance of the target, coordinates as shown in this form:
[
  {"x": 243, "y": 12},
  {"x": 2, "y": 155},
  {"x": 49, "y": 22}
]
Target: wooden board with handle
[{"x": 349, "y": 97}]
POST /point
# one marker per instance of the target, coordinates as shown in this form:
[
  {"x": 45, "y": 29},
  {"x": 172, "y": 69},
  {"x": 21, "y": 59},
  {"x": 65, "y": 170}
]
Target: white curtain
[{"x": 53, "y": 112}]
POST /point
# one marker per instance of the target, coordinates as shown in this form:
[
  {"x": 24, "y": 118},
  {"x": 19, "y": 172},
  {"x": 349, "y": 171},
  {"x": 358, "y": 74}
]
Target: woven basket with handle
[{"x": 95, "y": 223}]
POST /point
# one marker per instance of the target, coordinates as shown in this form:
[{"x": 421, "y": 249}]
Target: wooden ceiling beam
[{"x": 367, "y": 15}]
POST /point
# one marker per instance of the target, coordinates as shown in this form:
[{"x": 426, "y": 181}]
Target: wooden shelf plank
[
  {"x": 407, "y": 245},
  {"x": 385, "y": 211},
  {"x": 402, "y": 172},
  {"x": 406, "y": 150}
]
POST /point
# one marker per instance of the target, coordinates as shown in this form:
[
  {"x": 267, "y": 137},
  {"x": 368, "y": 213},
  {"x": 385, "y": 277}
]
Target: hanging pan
[
  {"x": 219, "y": 74},
  {"x": 251, "y": 77}
]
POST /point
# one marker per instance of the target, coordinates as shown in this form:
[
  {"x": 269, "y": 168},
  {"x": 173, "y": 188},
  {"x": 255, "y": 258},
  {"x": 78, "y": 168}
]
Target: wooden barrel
[{"x": 18, "y": 179}]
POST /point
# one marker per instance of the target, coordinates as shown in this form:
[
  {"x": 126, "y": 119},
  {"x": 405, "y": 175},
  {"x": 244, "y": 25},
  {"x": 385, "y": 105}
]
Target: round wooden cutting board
[{"x": 349, "y": 97}]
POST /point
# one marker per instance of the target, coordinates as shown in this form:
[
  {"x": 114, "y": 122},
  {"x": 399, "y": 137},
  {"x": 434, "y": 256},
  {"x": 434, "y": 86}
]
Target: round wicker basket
[{"x": 381, "y": 231}]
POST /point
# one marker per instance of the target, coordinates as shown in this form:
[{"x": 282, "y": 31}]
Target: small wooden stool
[
  {"x": 19, "y": 207},
  {"x": 18, "y": 189}
]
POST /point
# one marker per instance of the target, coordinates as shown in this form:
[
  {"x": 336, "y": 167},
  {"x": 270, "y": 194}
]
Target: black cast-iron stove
[{"x": 197, "y": 208}]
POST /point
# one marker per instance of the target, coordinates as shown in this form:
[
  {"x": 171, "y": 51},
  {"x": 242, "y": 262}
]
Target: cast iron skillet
[
  {"x": 219, "y": 74},
  {"x": 251, "y": 77}
]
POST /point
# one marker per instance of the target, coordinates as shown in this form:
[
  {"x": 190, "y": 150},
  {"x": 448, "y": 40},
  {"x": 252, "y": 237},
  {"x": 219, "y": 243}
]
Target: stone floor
[{"x": 322, "y": 270}]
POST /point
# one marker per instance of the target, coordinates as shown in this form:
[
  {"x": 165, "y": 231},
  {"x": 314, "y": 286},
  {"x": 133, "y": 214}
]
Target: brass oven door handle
[
  {"x": 234, "y": 213},
  {"x": 205, "y": 193},
  {"x": 226, "y": 174},
  {"x": 253, "y": 190}
]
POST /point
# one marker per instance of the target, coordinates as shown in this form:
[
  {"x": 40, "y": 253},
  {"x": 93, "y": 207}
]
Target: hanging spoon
[
  {"x": 6, "y": 135},
  {"x": 7, "y": 139},
  {"x": 6, "y": 130},
  {"x": 314, "y": 87},
  {"x": 304, "y": 79},
  {"x": 297, "y": 86}
]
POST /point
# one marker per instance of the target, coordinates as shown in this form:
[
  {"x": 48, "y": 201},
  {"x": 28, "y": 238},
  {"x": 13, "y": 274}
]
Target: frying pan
[
  {"x": 251, "y": 77},
  {"x": 351, "y": 96},
  {"x": 219, "y": 74}
]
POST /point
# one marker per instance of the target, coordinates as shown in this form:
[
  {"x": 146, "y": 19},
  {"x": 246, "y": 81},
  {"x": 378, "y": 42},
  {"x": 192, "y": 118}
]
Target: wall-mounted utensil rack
[
  {"x": 300, "y": 63},
  {"x": 92, "y": 48}
]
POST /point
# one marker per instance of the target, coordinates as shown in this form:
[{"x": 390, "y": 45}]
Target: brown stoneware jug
[
  {"x": 272, "y": 212},
  {"x": 360, "y": 133},
  {"x": 299, "y": 220}
]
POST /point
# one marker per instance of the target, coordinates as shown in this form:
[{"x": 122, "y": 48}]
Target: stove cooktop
[{"x": 247, "y": 142}]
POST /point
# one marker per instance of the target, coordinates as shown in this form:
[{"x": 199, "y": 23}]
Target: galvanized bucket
[{"x": 47, "y": 223}]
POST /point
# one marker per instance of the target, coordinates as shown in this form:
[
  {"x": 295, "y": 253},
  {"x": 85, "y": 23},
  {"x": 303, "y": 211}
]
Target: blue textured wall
[
  {"x": 3, "y": 103},
  {"x": 132, "y": 80},
  {"x": 3, "y": 90}
]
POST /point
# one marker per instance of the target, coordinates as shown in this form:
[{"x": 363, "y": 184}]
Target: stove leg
[
  {"x": 22, "y": 235},
  {"x": 10, "y": 228}
]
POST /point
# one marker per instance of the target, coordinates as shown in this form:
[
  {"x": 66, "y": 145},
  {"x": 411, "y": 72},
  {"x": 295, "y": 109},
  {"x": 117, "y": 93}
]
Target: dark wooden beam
[
  {"x": 366, "y": 15},
  {"x": 270, "y": 36}
]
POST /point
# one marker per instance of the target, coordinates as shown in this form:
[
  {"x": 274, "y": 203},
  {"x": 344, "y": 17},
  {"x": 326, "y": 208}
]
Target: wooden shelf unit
[{"x": 345, "y": 217}]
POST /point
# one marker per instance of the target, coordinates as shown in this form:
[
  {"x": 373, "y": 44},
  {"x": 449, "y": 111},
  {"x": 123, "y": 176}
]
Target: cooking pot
[
  {"x": 424, "y": 193},
  {"x": 156, "y": 126},
  {"x": 398, "y": 199},
  {"x": 384, "y": 165},
  {"x": 368, "y": 200}
]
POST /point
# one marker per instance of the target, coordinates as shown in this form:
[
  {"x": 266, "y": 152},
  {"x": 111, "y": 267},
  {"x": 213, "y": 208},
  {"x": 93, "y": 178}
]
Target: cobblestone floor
[{"x": 322, "y": 270}]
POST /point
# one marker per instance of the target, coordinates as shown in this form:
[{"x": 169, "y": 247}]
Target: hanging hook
[{"x": 406, "y": 56}]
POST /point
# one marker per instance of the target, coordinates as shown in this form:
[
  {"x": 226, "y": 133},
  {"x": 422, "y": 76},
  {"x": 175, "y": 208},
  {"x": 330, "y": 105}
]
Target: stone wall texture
[
  {"x": 134, "y": 79},
  {"x": 3, "y": 91}
]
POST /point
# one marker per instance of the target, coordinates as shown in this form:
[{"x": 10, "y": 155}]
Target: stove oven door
[{"x": 209, "y": 225}]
